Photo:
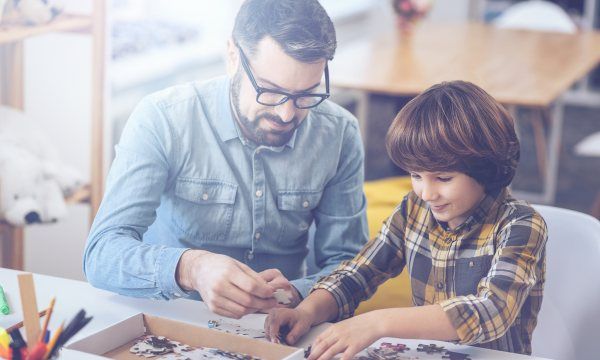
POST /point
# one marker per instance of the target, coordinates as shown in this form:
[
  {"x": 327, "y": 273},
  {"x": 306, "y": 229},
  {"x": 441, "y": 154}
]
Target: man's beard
[{"x": 252, "y": 129}]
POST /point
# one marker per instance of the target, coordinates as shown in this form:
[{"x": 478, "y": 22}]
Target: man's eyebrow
[{"x": 277, "y": 87}]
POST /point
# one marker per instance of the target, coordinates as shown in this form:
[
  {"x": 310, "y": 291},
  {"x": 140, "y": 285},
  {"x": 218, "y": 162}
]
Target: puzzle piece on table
[
  {"x": 237, "y": 329},
  {"x": 396, "y": 347},
  {"x": 283, "y": 333},
  {"x": 385, "y": 351},
  {"x": 307, "y": 351},
  {"x": 431, "y": 348},
  {"x": 283, "y": 296},
  {"x": 451, "y": 355},
  {"x": 152, "y": 345},
  {"x": 202, "y": 353}
]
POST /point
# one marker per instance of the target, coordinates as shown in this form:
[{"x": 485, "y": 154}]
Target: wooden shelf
[
  {"x": 81, "y": 195},
  {"x": 62, "y": 23}
]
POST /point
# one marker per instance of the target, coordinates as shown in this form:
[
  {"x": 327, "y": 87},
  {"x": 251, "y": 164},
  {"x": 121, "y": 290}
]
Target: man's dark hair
[
  {"x": 456, "y": 126},
  {"x": 301, "y": 27}
]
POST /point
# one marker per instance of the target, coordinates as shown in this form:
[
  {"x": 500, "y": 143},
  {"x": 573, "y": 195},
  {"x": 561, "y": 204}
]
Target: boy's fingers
[{"x": 296, "y": 333}]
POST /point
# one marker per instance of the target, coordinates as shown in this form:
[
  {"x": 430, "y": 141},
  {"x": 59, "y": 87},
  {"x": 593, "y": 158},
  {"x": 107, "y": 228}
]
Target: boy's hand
[
  {"x": 347, "y": 337},
  {"x": 286, "y": 325}
]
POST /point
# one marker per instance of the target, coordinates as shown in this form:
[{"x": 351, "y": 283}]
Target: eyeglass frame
[{"x": 287, "y": 96}]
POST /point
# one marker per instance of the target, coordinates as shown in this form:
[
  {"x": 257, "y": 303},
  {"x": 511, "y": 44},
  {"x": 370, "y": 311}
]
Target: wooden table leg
[{"x": 11, "y": 239}]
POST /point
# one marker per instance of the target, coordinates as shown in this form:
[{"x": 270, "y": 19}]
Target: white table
[{"x": 108, "y": 308}]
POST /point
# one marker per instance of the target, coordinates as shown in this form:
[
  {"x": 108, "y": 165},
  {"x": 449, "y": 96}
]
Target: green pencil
[{"x": 3, "y": 303}]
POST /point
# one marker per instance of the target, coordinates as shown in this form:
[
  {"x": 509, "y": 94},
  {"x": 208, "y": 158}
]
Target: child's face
[{"x": 451, "y": 196}]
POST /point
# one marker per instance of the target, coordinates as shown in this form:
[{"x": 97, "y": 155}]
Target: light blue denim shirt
[{"x": 184, "y": 177}]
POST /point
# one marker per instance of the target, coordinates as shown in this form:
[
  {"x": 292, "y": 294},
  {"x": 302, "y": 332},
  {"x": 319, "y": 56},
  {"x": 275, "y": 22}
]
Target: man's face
[
  {"x": 451, "y": 196},
  {"x": 273, "y": 69}
]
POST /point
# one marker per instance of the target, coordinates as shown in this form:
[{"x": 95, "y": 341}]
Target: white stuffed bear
[
  {"x": 33, "y": 182},
  {"x": 27, "y": 12}
]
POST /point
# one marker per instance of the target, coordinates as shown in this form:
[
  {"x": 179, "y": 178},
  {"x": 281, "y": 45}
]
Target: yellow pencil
[
  {"x": 52, "y": 342},
  {"x": 47, "y": 320}
]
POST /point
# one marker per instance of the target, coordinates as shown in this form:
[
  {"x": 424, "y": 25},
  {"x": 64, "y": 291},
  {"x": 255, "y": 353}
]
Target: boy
[{"x": 475, "y": 255}]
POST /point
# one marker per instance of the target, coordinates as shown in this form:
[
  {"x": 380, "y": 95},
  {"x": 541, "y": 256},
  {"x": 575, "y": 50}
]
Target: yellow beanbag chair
[{"x": 382, "y": 198}]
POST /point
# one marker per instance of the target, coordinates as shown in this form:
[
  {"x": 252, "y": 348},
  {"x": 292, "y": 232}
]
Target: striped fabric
[{"x": 487, "y": 274}]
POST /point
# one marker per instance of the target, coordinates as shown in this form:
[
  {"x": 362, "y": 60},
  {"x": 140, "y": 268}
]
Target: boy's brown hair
[{"x": 456, "y": 126}]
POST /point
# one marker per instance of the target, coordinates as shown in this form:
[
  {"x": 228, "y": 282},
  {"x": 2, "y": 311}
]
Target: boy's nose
[{"x": 428, "y": 193}]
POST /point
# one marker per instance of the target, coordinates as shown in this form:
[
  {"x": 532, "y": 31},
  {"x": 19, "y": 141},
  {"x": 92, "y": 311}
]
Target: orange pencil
[
  {"x": 47, "y": 320},
  {"x": 52, "y": 342}
]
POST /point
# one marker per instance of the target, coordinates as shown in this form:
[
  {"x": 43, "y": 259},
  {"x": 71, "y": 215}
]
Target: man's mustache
[{"x": 277, "y": 119}]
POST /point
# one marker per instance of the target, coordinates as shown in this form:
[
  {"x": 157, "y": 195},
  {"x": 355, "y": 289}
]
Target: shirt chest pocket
[
  {"x": 203, "y": 209},
  {"x": 296, "y": 212},
  {"x": 469, "y": 272}
]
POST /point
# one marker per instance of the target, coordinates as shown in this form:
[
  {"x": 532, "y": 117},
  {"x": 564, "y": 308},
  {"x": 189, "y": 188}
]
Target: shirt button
[
  {"x": 257, "y": 235},
  {"x": 440, "y": 285},
  {"x": 205, "y": 196},
  {"x": 249, "y": 255},
  {"x": 305, "y": 204},
  {"x": 259, "y": 193},
  {"x": 471, "y": 264}
]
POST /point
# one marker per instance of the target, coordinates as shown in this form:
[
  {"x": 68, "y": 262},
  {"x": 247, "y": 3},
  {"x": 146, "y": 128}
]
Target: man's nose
[{"x": 286, "y": 111}]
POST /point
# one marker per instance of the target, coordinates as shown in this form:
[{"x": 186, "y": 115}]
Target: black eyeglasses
[{"x": 272, "y": 97}]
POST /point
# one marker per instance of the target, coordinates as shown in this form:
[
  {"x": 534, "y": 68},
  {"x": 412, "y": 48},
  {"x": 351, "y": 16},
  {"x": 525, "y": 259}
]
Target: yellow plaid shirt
[{"x": 487, "y": 274}]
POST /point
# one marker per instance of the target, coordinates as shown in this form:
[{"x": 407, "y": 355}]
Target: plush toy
[
  {"x": 27, "y": 12},
  {"x": 33, "y": 181}
]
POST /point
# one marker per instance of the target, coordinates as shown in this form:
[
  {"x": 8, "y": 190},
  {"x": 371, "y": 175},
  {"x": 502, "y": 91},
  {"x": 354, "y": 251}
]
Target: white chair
[
  {"x": 536, "y": 15},
  {"x": 569, "y": 321}
]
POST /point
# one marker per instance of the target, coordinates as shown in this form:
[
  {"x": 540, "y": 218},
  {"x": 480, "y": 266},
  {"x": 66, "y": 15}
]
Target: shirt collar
[{"x": 226, "y": 126}]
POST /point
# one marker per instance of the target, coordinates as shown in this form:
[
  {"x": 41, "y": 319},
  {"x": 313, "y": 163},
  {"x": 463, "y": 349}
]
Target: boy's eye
[
  {"x": 415, "y": 176},
  {"x": 444, "y": 179}
]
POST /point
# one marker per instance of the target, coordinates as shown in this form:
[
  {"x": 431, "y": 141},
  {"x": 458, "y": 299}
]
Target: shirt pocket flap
[
  {"x": 298, "y": 200},
  {"x": 469, "y": 272},
  {"x": 201, "y": 191}
]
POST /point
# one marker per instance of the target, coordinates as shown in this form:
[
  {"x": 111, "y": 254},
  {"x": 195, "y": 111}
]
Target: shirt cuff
[
  {"x": 303, "y": 286},
  {"x": 464, "y": 320},
  {"x": 166, "y": 268}
]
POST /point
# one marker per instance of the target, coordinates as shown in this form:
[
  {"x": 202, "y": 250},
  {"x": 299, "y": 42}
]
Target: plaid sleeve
[
  {"x": 518, "y": 263},
  {"x": 380, "y": 259}
]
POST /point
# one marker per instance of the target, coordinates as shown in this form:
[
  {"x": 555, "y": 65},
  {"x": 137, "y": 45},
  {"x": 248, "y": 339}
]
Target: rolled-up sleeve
[
  {"x": 518, "y": 263},
  {"x": 115, "y": 258},
  {"x": 382, "y": 258}
]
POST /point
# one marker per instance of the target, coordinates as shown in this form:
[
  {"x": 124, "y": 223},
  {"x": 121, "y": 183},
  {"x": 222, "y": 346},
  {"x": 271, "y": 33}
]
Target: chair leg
[
  {"x": 595, "y": 211},
  {"x": 538, "y": 122}
]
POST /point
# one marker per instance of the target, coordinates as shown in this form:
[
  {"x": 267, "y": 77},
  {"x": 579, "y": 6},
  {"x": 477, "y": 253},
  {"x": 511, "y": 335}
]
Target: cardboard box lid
[{"x": 115, "y": 341}]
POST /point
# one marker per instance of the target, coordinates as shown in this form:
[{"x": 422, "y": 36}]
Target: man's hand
[
  {"x": 275, "y": 278},
  {"x": 287, "y": 325},
  {"x": 227, "y": 286}
]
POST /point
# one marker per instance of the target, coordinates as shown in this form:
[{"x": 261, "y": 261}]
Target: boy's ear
[{"x": 233, "y": 57}]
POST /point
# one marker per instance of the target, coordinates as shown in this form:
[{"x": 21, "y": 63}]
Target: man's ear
[{"x": 233, "y": 57}]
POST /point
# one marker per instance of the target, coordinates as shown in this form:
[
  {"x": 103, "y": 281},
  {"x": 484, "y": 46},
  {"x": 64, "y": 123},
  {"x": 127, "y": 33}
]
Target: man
[{"x": 215, "y": 185}]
